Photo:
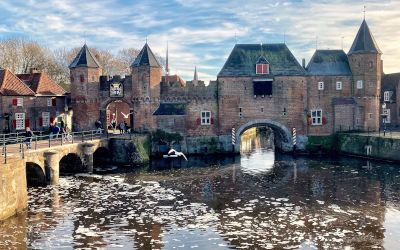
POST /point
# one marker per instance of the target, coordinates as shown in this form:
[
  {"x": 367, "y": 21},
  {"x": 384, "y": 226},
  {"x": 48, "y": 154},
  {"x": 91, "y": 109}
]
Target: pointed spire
[
  {"x": 195, "y": 77},
  {"x": 364, "y": 41},
  {"x": 85, "y": 59},
  {"x": 146, "y": 57},
  {"x": 166, "y": 62}
]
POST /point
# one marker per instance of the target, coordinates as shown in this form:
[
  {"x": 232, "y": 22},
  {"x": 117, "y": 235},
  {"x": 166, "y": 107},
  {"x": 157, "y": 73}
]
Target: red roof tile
[
  {"x": 42, "y": 84},
  {"x": 10, "y": 84}
]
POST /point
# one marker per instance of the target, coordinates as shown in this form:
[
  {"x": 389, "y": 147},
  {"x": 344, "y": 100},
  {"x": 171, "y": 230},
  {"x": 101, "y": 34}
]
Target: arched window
[{"x": 82, "y": 77}]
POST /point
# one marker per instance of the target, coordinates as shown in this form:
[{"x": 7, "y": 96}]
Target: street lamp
[{"x": 384, "y": 116}]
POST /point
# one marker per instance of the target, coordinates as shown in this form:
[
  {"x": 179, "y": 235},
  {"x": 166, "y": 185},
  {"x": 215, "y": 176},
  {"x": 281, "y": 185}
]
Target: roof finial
[
  {"x": 235, "y": 38},
  {"x": 365, "y": 10},
  {"x": 146, "y": 39},
  {"x": 284, "y": 37},
  {"x": 166, "y": 62}
]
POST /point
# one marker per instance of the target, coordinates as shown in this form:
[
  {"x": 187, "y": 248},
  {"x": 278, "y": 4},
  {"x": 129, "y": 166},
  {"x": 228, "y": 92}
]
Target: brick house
[
  {"x": 259, "y": 85},
  {"x": 389, "y": 96},
  {"x": 30, "y": 100}
]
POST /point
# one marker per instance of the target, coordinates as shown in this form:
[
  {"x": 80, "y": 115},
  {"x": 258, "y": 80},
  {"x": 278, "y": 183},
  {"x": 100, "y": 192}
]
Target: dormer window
[
  {"x": 262, "y": 66},
  {"x": 262, "y": 69}
]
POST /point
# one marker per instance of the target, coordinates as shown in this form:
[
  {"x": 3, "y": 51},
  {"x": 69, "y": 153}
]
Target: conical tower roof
[
  {"x": 146, "y": 58},
  {"x": 364, "y": 41},
  {"x": 85, "y": 59}
]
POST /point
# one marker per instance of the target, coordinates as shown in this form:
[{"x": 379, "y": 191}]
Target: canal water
[{"x": 259, "y": 200}]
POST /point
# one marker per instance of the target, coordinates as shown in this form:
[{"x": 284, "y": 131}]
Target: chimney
[
  {"x": 34, "y": 70},
  {"x": 303, "y": 63}
]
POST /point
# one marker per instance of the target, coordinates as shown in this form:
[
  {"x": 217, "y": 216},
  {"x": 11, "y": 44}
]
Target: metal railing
[{"x": 18, "y": 143}]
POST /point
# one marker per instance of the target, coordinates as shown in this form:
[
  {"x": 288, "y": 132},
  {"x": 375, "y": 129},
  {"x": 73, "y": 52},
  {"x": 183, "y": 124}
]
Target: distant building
[{"x": 31, "y": 100}]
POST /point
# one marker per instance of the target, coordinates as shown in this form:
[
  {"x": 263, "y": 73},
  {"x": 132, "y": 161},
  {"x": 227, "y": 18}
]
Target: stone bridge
[{"x": 42, "y": 166}]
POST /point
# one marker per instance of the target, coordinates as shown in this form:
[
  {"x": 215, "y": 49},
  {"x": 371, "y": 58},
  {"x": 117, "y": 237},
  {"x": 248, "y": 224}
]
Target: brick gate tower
[
  {"x": 85, "y": 71},
  {"x": 366, "y": 66},
  {"x": 146, "y": 78}
]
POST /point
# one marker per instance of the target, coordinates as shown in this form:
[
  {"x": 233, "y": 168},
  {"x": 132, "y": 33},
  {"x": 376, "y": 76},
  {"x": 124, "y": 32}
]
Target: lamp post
[{"x": 384, "y": 116}]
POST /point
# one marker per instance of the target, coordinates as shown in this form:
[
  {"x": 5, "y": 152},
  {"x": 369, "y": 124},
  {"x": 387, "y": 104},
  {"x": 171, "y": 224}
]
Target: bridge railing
[{"x": 17, "y": 143}]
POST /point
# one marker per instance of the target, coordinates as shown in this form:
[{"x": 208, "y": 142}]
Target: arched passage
[
  {"x": 116, "y": 112},
  {"x": 281, "y": 134},
  {"x": 35, "y": 175},
  {"x": 71, "y": 163},
  {"x": 101, "y": 157}
]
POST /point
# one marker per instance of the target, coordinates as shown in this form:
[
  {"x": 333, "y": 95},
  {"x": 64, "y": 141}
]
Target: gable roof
[
  {"x": 243, "y": 58},
  {"x": 364, "y": 41},
  {"x": 41, "y": 84},
  {"x": 84, "y": 58},
  {"x": 329, "y": 62},
  {"x": 171, "y": 109},
  {"x": 10, "y": 84},
  {"x": 146, "y": 58}
]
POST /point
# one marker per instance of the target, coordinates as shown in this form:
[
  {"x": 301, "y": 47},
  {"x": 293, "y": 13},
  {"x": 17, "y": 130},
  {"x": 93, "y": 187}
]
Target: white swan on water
[{"x": 173, "y": 151}]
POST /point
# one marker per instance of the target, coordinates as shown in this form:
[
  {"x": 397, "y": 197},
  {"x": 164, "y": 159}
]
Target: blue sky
[{"x": 203, "y": 32}]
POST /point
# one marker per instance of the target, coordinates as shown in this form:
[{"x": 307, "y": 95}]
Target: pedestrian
[
  {"x": 114, "y": 125},
  {"x": 28, "y": 137},
  {"x": 126, "y": 127},
  {"x": 98, "y": 126},
  {"x": 55, "y": 130},
  {"x": 121, "y": 127}
]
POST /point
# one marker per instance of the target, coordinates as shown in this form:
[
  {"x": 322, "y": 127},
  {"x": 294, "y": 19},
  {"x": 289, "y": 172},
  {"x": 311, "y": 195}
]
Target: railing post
[
  {"x": 4, "y": 143},
  {"x": 5, "y": 153},
  {"x": 91, "y": 135},
  {"x": 62, "y": 138},
  {"x": 35, "y": 142},
  {"x": 82, "y": 136},
  {"x": 49, "y": 140},
  {"x": 72, "y": 137}
]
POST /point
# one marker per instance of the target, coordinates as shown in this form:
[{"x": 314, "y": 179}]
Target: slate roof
[
  {"x": 171, "y": 109},
  {"x": 85, "y": 59},
  {"x": 11, "y": 85},
  {"x": 364, "y": 41},
  {"x": 328, "y": 63},
  {"x": 343, "y": 101},
  {"x": 146, "y": 57},
  {"x": 243, "y": 58},
  {"x": 390, "y": 83},
  {"x": 41, "y": 84}
]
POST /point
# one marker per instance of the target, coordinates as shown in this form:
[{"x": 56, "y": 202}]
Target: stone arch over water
[
  {"x": 35, "y": 176},
  {"x": 283, "y": 137},
  {"x": 101, "y": 156},
  {"x": 72, "y": 163}
]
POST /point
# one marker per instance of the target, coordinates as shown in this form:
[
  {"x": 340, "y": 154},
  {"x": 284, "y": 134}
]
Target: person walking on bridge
[{"x": 28, "y": 137}]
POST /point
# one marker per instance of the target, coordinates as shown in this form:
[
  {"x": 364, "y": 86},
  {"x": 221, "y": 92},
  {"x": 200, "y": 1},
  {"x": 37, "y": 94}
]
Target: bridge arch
[
  {"x": 71, "y": 163},
  {"x": 101, "y": 156},
  {"x": 35, "y": 176},
  {"x": 281, "y": 133}
]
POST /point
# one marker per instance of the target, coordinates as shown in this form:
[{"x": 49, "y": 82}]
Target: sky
[{"x": 203, "y": 32}]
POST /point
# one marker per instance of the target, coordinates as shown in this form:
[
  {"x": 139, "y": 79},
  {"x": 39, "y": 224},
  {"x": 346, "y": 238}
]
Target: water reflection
[{"x": 218, "y": 203}]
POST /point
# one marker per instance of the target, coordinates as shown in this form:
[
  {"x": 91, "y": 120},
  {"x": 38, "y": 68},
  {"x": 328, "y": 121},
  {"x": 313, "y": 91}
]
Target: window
[
  {"x": 20, "y": 102},
  {"x": 205, "y": 117},
  {"x": 386, "y": 96},
  {"x": 262, "y": 109},
  {"x": 82, "y": 77},
  {"x": 320, "y": 85},
  {"x": 370, "y": 115},
  {"x": 240, "y": 112},
  {"x": 49, "y": 102},
  {"x": 359, "y": 84},
  {"x": 387, "y": 113},
  {"x": 262, "y": 69},
  {"x": 262, "y": 87},
  {"x": 19, "y": 121},
  {"x": 338, "y": 85},
  {"x": 316, "y": 116},
  {"x": 45, "y": 119}
]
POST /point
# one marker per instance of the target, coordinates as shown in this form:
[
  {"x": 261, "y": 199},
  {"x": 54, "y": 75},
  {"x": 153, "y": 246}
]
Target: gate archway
[
  {"x": 119, "y": 111},
  {"x": 282, "y": 135}
]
